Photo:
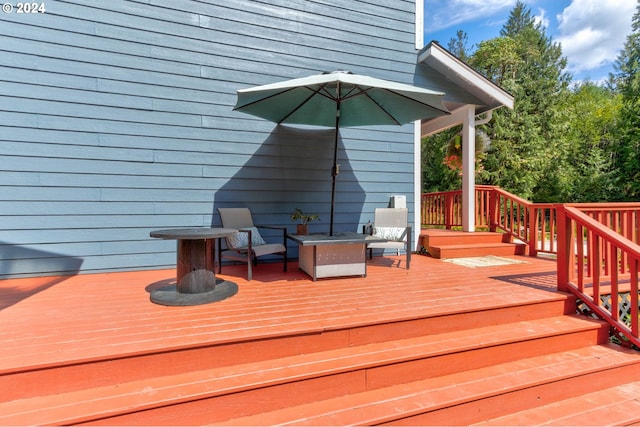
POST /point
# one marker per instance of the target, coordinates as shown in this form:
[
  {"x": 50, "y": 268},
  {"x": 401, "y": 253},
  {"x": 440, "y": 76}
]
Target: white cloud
[
  {"x": 592, "y": 32},
  {"x": 444, "y": 14},
  {"x": 541, "y": 18}
]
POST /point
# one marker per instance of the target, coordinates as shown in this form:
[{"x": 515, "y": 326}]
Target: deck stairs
[
  {"x": 510, "y": 364},
  {"x": 441, "y": 243}
]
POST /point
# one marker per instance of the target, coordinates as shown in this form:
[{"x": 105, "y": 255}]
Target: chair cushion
[
  {"x": 269, "y": 248},
  {"x": 240, "y": 239},
  {"x": 390, "y": 233},
  {"x": 387, "y": 245}
]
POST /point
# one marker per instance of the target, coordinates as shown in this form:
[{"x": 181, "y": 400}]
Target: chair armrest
[{"x": 273, "y": 227}]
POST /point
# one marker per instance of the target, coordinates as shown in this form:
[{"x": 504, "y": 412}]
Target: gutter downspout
[{"x": 486, "y": 119}]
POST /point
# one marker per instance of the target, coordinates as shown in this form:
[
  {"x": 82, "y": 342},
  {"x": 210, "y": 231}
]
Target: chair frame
[
  {"x": 248, "y": 255},
  {"x": 383, "y": 212}
]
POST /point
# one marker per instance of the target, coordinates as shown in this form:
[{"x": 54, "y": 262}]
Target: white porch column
[
  {"x": 417, "y": 184},
  {"x": 468, "y": 169}
]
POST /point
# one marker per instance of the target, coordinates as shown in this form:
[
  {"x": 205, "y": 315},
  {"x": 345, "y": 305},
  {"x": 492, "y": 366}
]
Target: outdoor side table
[
  {"x": 196, "y": 281},
  {"x": 343, "y": 254}
]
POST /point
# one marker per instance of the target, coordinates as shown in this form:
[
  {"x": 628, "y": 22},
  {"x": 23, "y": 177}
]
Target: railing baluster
[
  {"x": 597, "y": 268},
  {"x": 552, "y": 229},
  {"x": 580, "y": 256},
  {"x": 545, "y": 240},
  {"x": 624, "y": 230},
  {"x": 633, "y": 291},
  {"x": 615, "y": 310}
]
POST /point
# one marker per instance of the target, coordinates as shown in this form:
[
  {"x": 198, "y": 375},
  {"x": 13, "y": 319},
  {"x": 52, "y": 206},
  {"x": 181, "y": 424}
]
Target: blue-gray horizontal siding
[{"x": 116, "y": 119}]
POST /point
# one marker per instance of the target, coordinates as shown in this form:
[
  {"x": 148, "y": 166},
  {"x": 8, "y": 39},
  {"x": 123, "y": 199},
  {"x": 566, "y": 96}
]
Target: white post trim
[
  {"x": 419, "y": 37},
  {"x": 468, "y": 169},
  {"x": 417, "y": 183}
]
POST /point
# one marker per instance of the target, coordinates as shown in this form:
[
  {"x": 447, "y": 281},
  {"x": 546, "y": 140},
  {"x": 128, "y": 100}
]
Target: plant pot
[{"x": 302, "y": 229}]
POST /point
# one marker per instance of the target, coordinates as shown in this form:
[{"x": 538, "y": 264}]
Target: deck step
[
  {"x": 277, "y": 341},
  {"x": 449, "y": 237},
  {"x": 220, "y": 394},
  {"x": 458, "y": 244},
  {"x": 618, "y": 406},
  {"x": 476, "y": 249},
  {"x": 471, "y": 396}
]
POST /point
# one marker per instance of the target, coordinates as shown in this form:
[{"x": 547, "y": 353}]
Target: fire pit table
[{"x": 342, "y": 254}]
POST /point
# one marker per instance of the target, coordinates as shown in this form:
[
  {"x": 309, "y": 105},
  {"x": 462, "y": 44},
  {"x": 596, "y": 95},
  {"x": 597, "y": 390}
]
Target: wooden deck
[
  {"x": 61, "y": 336},
  {"x": 87, "y": 317}
]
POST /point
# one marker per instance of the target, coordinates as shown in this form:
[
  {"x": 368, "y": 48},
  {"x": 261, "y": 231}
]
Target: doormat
[{"x": 483, "y": 261}]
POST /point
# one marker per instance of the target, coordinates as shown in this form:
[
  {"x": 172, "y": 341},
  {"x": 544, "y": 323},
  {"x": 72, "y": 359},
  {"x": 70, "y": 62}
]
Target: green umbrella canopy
[
  {"x": 340, "y": 99},
  {"x": 361, "y": 100}
]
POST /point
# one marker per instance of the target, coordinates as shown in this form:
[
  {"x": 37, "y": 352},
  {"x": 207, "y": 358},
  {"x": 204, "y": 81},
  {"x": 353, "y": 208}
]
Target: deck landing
[
  {"x": 94, "y": 349},
  {"x": 89, "y": 317}
]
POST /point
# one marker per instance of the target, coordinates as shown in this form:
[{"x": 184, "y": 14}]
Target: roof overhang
[{"x": 463, "y": 86}]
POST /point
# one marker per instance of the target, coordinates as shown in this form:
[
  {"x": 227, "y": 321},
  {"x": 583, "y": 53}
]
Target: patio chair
[
  {"x": 391, "y": 224},
  {"x": 247, "y": 244}
]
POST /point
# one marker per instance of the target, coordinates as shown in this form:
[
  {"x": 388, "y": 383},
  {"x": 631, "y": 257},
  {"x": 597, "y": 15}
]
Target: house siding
[{"x": 116, "y": 119}]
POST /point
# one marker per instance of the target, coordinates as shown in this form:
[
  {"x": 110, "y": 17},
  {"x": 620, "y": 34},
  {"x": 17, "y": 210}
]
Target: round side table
[{"x": 196, "y": 281}]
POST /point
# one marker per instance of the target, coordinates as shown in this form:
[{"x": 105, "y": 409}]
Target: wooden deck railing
[
  {"x": 594, "y": 260},
  {"x": 532, "y": 223},
  {"x": 603, "y": 239},
  {"x": 445, "y": 208}
]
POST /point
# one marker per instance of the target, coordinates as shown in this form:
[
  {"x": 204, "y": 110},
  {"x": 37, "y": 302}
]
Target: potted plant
[{"x": 302, "y": 228}]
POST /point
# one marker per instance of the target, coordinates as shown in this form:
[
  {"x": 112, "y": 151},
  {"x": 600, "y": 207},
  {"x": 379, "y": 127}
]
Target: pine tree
[
  {"x": 628, "y": 81},
  {"x": 526, "y": 141},
  {"x": 590, "y": 119},
  {"x": 459, "y": 46}
]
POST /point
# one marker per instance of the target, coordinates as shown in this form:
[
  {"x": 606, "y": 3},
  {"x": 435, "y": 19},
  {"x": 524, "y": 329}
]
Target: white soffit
[{"x": 438, "y": 124}]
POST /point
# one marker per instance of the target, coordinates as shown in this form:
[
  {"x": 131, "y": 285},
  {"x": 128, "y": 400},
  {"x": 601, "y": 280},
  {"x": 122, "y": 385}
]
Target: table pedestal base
[
  {"x": 169, "y": 295},
  {"x": 196, "y": 280}
]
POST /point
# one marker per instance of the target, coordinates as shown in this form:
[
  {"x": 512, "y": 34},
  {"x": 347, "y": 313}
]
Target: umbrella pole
[{"x": 335, "y": 170}]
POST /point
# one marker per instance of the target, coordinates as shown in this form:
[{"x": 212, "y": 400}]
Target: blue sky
[{"x": 591, "y": 32}]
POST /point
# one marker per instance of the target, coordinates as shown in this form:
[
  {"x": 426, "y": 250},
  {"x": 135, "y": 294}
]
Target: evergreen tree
[
  {"x": 590, "y": 118},
  {"x": 557, "y": 144},
  {"x": 527, "y": 141},
  {"x": 628, "y": 80},
  {"x": 459, "y": 46}
]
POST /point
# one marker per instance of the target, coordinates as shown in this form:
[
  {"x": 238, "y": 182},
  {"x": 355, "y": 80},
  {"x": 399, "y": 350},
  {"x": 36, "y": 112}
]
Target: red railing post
[
  {"x": 493, "y": 210},
  {"x": 636, "y": 215},
  {"x": 532, "y": 235},
  {"x": 564, "y": 243},
  {"x": 448, "y": 210}
]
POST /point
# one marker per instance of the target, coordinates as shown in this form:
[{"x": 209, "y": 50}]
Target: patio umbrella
[{"x": 340, "y": 99}]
